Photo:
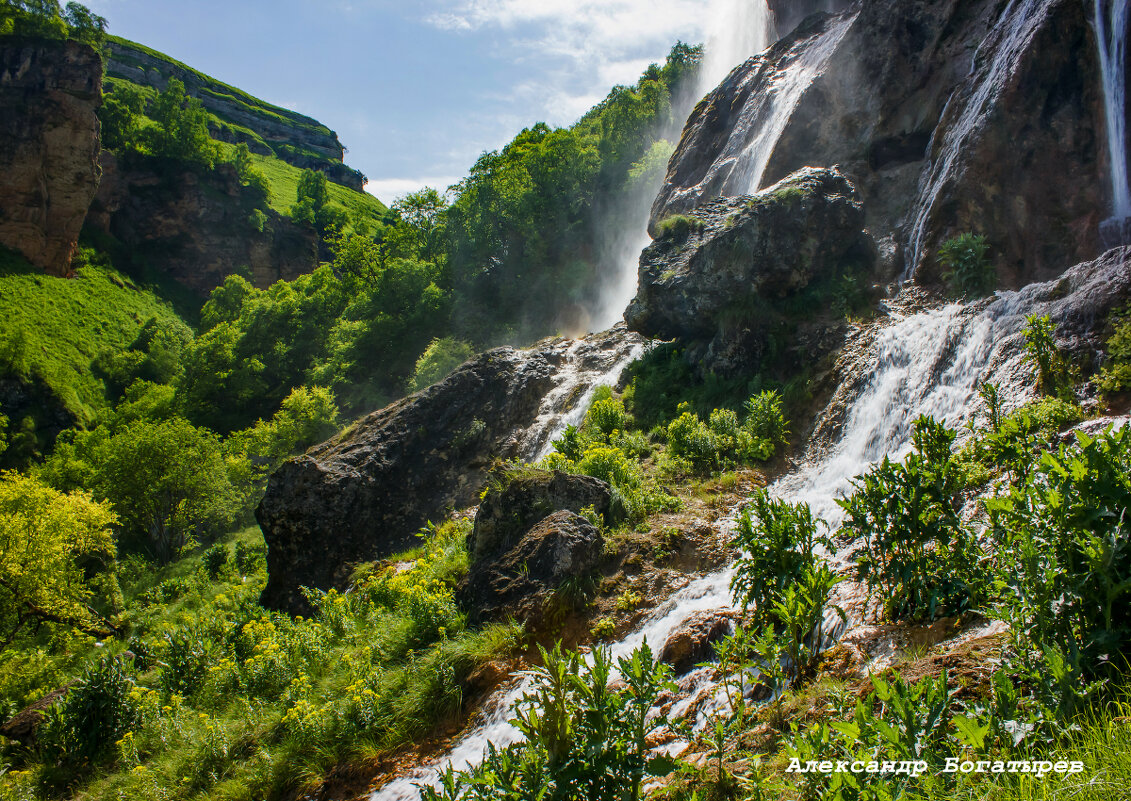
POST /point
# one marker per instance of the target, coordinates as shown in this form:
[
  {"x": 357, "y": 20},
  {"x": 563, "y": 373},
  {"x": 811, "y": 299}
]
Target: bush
[
  {"x": 1116, "y": 374},
  {"x": 777, "y": 540},
  {"x": 1066, "y": 554},
  {"x": 677, "y": 226},
  {"x": 968, "y": 270},
  {"x": 1053, "y": 373},
  {"x": 606, "y": 416},
  {"x": 215, "y": 559},
  {"x": 917, "y": 554},
  {"x": 438, "y": 360},
  {"x": 96, "y": 712}
]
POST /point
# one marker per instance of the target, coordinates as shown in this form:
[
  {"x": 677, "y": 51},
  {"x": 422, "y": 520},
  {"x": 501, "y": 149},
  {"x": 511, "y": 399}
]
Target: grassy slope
[
  {"x": 65, "y": 323},
  {"x": 283, "y": 180}
]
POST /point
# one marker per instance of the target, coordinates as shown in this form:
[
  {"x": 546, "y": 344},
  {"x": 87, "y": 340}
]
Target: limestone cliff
[
  {"x": 49, "y": 142},
  {"x": 195, "y": 227}
]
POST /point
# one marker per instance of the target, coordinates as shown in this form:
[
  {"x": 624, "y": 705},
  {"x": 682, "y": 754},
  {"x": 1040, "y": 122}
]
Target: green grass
[
  {"x": 55, "y": 327},
  {"x": 219, "y": 88},
  {"x": 283, "y": 181}
]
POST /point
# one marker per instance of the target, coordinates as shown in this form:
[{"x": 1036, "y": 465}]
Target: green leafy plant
[
  {"x": 917, "y": 554},
  {"x": 94, "y": 714},
  {"x": 1054, "y": 375},
  {"x": 969, "y": 272}
]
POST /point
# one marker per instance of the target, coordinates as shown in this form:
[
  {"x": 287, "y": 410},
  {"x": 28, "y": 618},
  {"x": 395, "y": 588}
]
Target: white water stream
[
  {"x": 926, "y": 363},
  {"x": 991, "y": 66},
  {"x": 1111, "y": 40},
  {"x": 737, "y": 30}
]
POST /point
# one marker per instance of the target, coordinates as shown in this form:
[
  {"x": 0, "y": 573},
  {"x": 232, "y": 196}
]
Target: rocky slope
[
  {"x": 267, "y": 129},
  {"x": 49, "y": 142},
  {"x": 194, "y": 227},
  {"x": 948, "y": 117}
]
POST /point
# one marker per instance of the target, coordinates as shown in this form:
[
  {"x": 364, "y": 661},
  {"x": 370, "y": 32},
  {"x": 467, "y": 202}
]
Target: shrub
[
  {"x": 215, "y": 559},
  {"x": 1053, "y": 373},
  {"x": 247, "y": 558},
  {"x": 438, "y": 360},
  {"x": 777, "y": 540},
  {"x": 677, "y": 226},
  {"x": 96, "y": 712},
  {"x": 765, "y": 419},
  {"x": 917, "y": 555},
  {"x": 968, "y": 270},
  {"x": 1066, "y": 554},
  {"x": 1116, "y": 374},
  {"x": 606, "y": 416}
]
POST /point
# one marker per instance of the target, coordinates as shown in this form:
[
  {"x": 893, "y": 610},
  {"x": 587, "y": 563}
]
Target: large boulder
[
  {"x": 948, "y": 117},
  {"x": 49, "y": 142},
  {"x": 364, "y": 494},
  {"x": 521, "y": 581},
  {"x": 504, "y": 517},
  {"x": 693, "y": 642},
  {"x": 723, "y": 284}
]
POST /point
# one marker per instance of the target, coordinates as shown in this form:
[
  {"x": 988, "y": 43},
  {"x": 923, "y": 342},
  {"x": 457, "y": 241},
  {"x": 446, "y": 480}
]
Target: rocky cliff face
[
  {"x": 948, "y": 117},
  {"x": 292, "y": 137},
  {"x": 195, "y": 227},
  {"x": 724, "y": 285},
  {"x": 49, "y": 140}
]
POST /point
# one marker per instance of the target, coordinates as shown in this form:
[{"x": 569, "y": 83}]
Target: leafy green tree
[
  {"x": 165, "y": 479},
  {"x": 121, "y": 116},
  {"x": 439, "y": 358},
  {"x": 181, "y": 132},
  {"x": 249, "y": 176},
  {"x": 312, "y": 205},
  {"x": 48, "y": 542}
]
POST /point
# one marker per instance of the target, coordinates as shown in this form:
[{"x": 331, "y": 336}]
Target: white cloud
[
  {"x": 389, "y": 189},
  {"x": 576, "y": 50}
]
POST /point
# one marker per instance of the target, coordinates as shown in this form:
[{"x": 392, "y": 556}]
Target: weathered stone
[
  {"x": 720, "y": 287},
  {"x": 691, "y": 643},
  {"x": 364, "y": 494},
  {"x": 196, "y": 227},
  {"x": 49, "y": 141},
  {"x": 948, "y": 117},
  {"x": 504, "y": 517},
  {"x": 520, "y": 582}
]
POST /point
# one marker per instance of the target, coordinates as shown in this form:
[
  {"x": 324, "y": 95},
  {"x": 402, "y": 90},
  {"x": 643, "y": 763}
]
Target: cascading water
[
  {"x": 1111, "y": 38},
  {"x": 926, "y": 363},
  {"x": 738, "y": 29},
  {"x": 991, "y": 66}
]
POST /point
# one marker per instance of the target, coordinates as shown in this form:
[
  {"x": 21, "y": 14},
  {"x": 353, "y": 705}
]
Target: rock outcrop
[
  {"x": 292, "y": 137},
  {"x": 948, "y": 117},
  {"x": 692, "y": 642},
  {"x": 196, "y": 227},
  {"x": 723, "y": 283},
  {"x": 504, "y": 517},
  {"x": 364, "y": 494},
  {"x": 49, "y": 140},
  {"x": 519, "y": 583}
]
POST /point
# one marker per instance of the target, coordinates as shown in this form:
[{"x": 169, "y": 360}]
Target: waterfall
[
  {"x": 993, "y": 63},
  {"x": 1111, "y": 36},
  {"x": 737, "y": 29},
  {"x": 926, "y": 363}
]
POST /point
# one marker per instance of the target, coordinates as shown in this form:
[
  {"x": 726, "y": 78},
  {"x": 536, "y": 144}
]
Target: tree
[
  {"x": 313, "y": 207},
  {"x": 439, "y": 358},
  {"x": 47, "y": 540},
  {"x": 182, "y": 127},
  {"x": 120, "y": 114}
]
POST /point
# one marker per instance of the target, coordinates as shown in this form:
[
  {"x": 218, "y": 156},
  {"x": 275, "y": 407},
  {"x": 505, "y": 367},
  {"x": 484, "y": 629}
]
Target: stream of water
[
  {"x": 927, "y": 363},
  {"x": 1111, "y": 17}
]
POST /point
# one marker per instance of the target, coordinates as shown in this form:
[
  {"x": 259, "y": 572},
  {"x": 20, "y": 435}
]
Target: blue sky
[{"x": 417, "y": 90}]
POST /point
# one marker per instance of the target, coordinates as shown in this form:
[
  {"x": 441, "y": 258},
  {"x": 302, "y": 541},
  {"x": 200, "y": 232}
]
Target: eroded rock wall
[{"x": 49, "y": 142}]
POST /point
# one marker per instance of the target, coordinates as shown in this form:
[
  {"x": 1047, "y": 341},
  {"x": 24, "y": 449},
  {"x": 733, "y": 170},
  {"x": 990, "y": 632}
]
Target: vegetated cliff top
[{"x": 237, "y": 116}]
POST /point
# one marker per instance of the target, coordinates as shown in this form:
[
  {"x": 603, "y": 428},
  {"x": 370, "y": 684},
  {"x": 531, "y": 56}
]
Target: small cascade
[
  {"x": 739, "y": 29},
  {"x": 992, "y": 65},
  {"x": 586, "y": 364},
  {"x": 1111, "y": 40},
  {"x": 926, "y": 363}
]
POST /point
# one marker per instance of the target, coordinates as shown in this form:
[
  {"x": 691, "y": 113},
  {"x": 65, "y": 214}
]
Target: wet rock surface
[
  {"x": 948, "y": 117},
  {"x": 504, "y": 517},
  {"x": 724, "y": 285},
  {"x": 692, "y": 642},
  {"x": 49, "y": 142},
  {"x": 519, "y": 583}
]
